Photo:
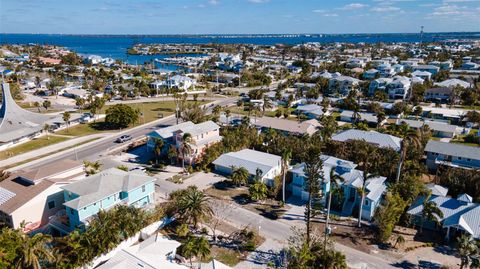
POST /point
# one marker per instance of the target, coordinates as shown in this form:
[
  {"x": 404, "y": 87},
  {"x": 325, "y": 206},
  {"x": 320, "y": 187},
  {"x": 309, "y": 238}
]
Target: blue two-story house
[
  {"x": 352, "y": 180},
  {"x": 102, "y": 191}
]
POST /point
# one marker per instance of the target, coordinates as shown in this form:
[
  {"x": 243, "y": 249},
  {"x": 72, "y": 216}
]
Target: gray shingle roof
[
  {"x": 382, "y": 140},
  {"x": 102, "y": 185},
  {"x": 451, "y": 149}
]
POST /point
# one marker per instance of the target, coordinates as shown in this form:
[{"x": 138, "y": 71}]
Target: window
[
  {"x": 459, "y": 158},
  {"x": 366, "y": 202},
  {"x": 51, "y": 204},
  {"x": 143, "y": 188},
  {"x": 85, "y": 208},
  {"x": 71, "y": 210}
]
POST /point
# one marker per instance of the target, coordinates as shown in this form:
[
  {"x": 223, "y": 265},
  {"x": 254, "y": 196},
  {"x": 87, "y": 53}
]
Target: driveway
[
  {"x": 202, "y": 180},
  {"x": 278, "y": 233}
]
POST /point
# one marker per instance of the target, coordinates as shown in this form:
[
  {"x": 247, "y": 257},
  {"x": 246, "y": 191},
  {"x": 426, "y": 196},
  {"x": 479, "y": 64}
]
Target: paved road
[{"x": 96, "y": 150}]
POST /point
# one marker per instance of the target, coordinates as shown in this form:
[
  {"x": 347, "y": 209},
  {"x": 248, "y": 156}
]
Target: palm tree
[
  {"x": 286, "y": 156},
  {"x": 227, "y": 115},
  {"x": 240, "y": 176},
  {"x": 46, "y": 129},
  {"x": 466, "y": 248},
  {"x": 334, "y": 179},
  {"x": 66, "y": 118},
  {"x": 202, "y": 248},
  {"x": 367, "y": 173},
  {"x": 329, "y": 127},
  {"x": 186, "y": 147},
  {"x": 157, "y": 149},
  {"x": 189, "y": 249},
  {"x": 33, "y": 251},
  {"x": 193, "y": 206},
  {"x": 380, "y": 118},
  {"x": 410, "y": 138},
  {"x": 267, "y": 104},
  {"x": 430, "y": 212}
]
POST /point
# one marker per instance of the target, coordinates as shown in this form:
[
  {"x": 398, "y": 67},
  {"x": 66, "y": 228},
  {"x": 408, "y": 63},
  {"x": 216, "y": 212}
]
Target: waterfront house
[
  {"x": 453, "y": 155},
  {"x": 371, "y": 137},
  {"x": 182, "y": 83},
  {"x": 352, "y": 180},
  {"x": 104, "y": 190},
  {"x": 202, "y": 135},
  {"x": 268, "y": 165},
  {"x": 34, "y": 195}
]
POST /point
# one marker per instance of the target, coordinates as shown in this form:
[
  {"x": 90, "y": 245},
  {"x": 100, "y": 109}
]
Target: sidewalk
[{"x": 49, "y": 149}]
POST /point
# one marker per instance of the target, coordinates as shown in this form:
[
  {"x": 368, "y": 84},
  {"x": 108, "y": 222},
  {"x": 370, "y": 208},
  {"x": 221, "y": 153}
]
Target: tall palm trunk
[
  {"x": 400, "y": 163},
  {"x": 283, "y": 185},
  {"x": 362, "y": 200}
]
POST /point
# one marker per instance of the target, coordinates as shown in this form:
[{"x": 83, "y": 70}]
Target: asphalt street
[{"x": 97, "y": 150}]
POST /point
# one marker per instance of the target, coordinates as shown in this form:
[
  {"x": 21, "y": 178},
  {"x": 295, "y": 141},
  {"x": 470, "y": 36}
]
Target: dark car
[{"x": 123, "y": 138}]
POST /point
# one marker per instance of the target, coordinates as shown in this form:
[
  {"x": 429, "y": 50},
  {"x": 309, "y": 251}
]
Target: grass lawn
[
  {"x": 154, "y": 110},
  {"x": 151, "y": 111},
  {"x": 31, "y": 145},
  {"x": 57, "y": 151},
  {"x": 83, "y": 129},
  {"x": 227, "y": 256}
]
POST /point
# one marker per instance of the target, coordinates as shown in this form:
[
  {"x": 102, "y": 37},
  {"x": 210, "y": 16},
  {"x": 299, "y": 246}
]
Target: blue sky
[{"x": 237, "y": 16}]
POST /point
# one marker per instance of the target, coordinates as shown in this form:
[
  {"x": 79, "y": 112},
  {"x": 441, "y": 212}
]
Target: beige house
[
  {"x": 33, "y": 196},
  {"x": 202, "y": 135}
]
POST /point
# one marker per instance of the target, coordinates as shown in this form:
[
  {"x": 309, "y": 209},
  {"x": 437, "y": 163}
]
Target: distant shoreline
[{"x": 286, "y": 35}]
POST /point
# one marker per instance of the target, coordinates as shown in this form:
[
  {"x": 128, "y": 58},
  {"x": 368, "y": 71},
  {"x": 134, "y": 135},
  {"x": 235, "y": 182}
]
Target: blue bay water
[{"x": 116, "y": 46}]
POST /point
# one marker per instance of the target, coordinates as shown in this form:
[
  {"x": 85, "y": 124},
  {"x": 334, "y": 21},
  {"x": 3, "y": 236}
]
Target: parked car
[{"x": 123, "y": 138}]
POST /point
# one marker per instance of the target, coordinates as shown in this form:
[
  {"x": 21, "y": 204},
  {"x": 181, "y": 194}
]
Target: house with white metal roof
[
  {"x": 460, "y": 215},
  {"x": 450, "y": 83},
  {"x": 439, "y": 129},
  {"x": 156, "y": 252},
  {"x": 254, "y": 161},
  {"x": 374, "y": 138}
]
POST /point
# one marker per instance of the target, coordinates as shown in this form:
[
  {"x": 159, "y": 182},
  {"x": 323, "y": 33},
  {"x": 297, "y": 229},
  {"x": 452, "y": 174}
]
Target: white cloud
[
  {"x": 258, "y": 1},
  {"x": 353, "y": 6},
  {"x": 330, "y": 15},
  {"x": 214, "y": 2},
  {"x": 385, "y": 9},
  {"x": 319, "y": 11}
]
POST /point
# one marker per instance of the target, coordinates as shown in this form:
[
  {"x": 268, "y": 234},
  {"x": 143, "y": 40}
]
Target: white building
[{"x": 268, "y": 164}]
